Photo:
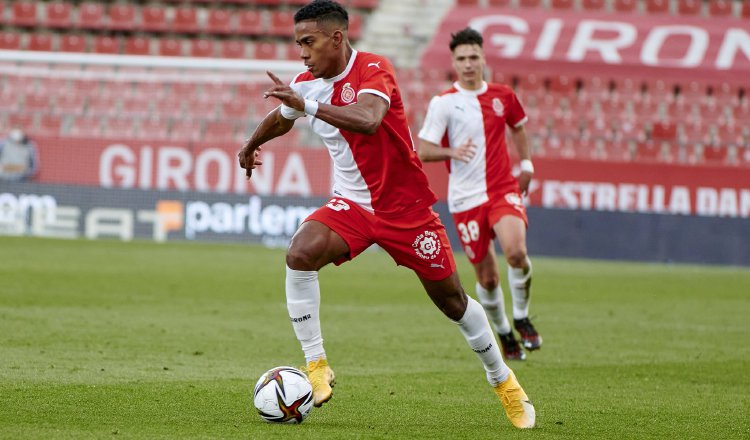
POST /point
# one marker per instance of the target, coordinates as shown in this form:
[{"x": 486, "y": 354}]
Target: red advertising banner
[
  {"x": 582, "y": 43},
  {"x": 632, "y": 187},
  {"x": 174, "y": 166}
]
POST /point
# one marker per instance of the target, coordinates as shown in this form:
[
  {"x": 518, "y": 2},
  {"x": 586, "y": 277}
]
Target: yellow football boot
[
  {"x": 517, "y": 406},
  {"x": 322, "y": 379}
]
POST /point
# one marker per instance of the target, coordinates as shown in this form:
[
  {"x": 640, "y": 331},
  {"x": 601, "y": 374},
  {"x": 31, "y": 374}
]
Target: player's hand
[
  {"x": 465, "y": 152},
  {"x": 249, "y": 158},
  {"x": 284, "y": 93},
  {"x": 524, "y": 180}
]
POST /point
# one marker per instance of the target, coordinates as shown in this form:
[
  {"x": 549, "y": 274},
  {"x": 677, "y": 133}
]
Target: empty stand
[
  {"x": 58, "y": 15},
  {"x": 122, "y": 16},
  {"x": 690, "y": 7},
  {"x": 24, "y": 13},
  {"x": 91, "y": 16}
]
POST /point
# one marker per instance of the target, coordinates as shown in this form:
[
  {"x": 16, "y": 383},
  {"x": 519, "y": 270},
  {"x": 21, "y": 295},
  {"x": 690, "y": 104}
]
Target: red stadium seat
[
  {"x": 220, "y": 132},
  {"x": 721, "y": 8},
  {"x": 467, "y": 2},
  {"x": 69, "y": 103},
  {"x": 355, "y": 26},
  {"x": 185, "y": 20},
  {"x": 498, "y": 3},
  {"x": 250, "y": 22},
  {"x": 715, "y": 154},
  {"x": 282, "y": 23},
  {"x": 235, "y": 109},
  {"x": 37, "y": 103},
  {"x": 118, "y": 128},
  {"x": 101, "y": 105},
  {"x": 86, "y": 127},
  {"x": 657, "y": 6},
  {"x": 24, "y": 121},
  {"x": 690, "y": 7},
  {"x": 105, "y": 44},
  {"x": 202, "y": 47},
  {"x": 40, "y": 41},
  {"x": 73, "y": 43},
  {"x": 185, "y": 130},
  {"x": 216, "y": 92},
  {"x": 362, "y": 4},
  {"x": 152, "y": 129},
  {"x": 663, "y": 130},
  {"x": 2, "y": 17},
  {"x": 135, "y": 107},
  {"x": 266, "y": 50},
  {"x": 91, "y": 16},
  {"x": 57, "y": 15},
  {"x": 153, "y": 19},
  {"x": 233, "y": 49},
  {"x": 10, "y": 40},
  {"x": 170, "y": 47},
  {"x": 292, "y": 51},
  {"x": 562, "y": 4},
  {"x": 648, "y": 151},
  {"x": 24, "y": 13},
  {"x": 49, "y": 125},
  {"x": 219, "y": 21},
  {"x": 121, "y": 16},
  {"x": 169, "y": 107},
  {"x": 529, "y": 3},
  {"x": 626, "y": 5},
  {"x": 746, "y": 10},
  {"x": 138, "y": 46},
  {"x": 593, "y": 5},
  {"x": 563, "y": 85}
]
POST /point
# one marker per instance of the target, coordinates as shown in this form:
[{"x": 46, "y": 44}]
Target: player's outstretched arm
[
  {"x": 272, "y": 126},
  {"x": 518, "y": 134},
  {"x": 432, "y": 152}
]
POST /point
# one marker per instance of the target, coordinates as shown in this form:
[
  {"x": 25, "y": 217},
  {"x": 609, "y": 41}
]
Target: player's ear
[{"x": 338, "y": 38}]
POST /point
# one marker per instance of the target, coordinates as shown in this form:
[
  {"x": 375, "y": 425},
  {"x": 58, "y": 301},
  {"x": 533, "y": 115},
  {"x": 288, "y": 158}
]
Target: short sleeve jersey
[
  {"x": 380, "y": 172},
  {"x": 457, "y": 115}
]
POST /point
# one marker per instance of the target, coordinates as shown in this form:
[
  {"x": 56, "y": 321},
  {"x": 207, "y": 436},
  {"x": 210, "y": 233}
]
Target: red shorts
[
  {"x": 416, "y": 240},
  {"x": 474, "y": 226}
]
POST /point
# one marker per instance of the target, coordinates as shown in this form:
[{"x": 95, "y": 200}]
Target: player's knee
[
  {"x": 516, "y": 258},
  {"x": 489, "y": 281},
  {"x": 300, "y": 258}
]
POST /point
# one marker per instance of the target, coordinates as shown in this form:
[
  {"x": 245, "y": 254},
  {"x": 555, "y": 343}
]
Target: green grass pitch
[{"x": 141, "y": 340}]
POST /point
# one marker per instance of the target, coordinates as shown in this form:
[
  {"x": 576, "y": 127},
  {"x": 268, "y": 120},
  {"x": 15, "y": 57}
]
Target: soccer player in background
[
  {"x": 483, "y": 196},
  {"x": 380, "y": 193}
]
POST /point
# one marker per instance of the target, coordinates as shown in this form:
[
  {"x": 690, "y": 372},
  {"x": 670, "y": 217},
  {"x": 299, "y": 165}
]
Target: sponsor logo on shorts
[
  {"x": 427, "y": 245},
  {"x": 301, "y": 318},
  {"x": 338, "y": 205}
]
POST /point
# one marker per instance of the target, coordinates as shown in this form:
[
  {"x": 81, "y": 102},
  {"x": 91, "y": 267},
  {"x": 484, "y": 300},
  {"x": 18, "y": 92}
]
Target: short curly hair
[
  {"x": 323, "y": 10},
  {"x": 466, "y": 36}
]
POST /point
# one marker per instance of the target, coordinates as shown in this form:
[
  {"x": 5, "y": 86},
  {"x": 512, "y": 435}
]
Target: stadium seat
[
  {"x": 220, "y": 132},
  {"x": 105, "y": 44},
  {"x": 91, "y": 16},
  {"x": 10, "y": 40},
  {"x": 592, "y": 5},
  {"x": 121, "y": 16},
  {"x": 37, "y": 103},
  {"x": 219, "y": 21},
  {"x": 361, "y": 4},
  {"x": 24, "y": 121},
  {"x": 235, "y": 109},
  {"x": 153, "y": 18},
  {"x": 498, "y": 3},
  {"x": 185, "y": 130},
  {"x": 714, "y": 154},
  {"x": 563, "y": 85},
  {"x": 170, "y": 47},
  {"x": 86, "y": 127},
  {"x": 57, "y": 15},
  {"x": 648, "y": 151},
  {"x": 721, "y": 8},
  {"x": 152, "y": 129},
  {"x": 118, "y": 128},
  {"x": 292, "y": 51},
  {"x": 250, "y": 22},
  {"x": 626, "y": 5},
  {"x": 562, "y": 4},
  {"x": 529, "y": 3},
  {"x": 282, "y": 23},
  {"x": 49, "y": 125},
  {"x": 467, "y": 2},
  {"x": 530, "y": 84},
  {"x": 746, "y": 10},
  {"x": 663, "y": 130},
  {"x": 101, "y": 105},
  {"x": 202, "y": 47},
  {"x": 24, "y": 13},
  {"x": 233, "y": 49},
  {"x": 657, "y": 6},
  {"x": 690, "y": 7},
  {"x": 185, "y": 20},
  {"x": 138, "y": 46},
  {"x": 73, "y": 43},
  {"x": 40, "y": 41},
  {"x": 355, "y": 26},
  {"x": 135, "y": 107},
  {"x": 265, "y": 50}
]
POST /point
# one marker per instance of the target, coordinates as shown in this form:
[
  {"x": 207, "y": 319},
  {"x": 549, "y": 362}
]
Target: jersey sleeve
[
  {"x": 435, "y": 123},
  {"x": 516, "y": 115},
  {"x": 378, "y": 78}
]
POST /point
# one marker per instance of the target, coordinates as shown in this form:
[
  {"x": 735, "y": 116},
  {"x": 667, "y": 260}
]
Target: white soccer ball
[{"x": 283, "y": 395}]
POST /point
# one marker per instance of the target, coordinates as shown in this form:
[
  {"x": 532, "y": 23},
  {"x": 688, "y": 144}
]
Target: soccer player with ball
[
  {"x": 483, "y": 196},
  {"x": 380, "y": 192}
]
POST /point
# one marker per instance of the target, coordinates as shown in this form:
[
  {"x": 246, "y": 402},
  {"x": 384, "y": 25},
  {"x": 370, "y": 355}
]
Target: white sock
[
  {"x": 303, "y": 304},
  {"x": 520, "y": 290},
  {"x": 494, "y": 305},
  {"x": 476, "y": 329}
]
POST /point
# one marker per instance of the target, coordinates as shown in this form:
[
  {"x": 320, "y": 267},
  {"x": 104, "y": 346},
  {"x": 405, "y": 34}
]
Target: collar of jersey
[
  {"x": 346, "y": 71},
  {"x": 476, "y": 92}
]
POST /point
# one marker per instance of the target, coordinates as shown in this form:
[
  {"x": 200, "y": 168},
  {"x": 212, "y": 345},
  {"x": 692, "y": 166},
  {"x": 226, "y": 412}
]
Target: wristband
[
  {"x": 290, "y": 113},
  {"x": 311, "y": 107},
  {"x": 527, "y": 166}
]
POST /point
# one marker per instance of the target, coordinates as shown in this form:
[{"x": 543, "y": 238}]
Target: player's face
[
  {"x": 317, "y": 49},
  {"x": 468, "y": 61}
]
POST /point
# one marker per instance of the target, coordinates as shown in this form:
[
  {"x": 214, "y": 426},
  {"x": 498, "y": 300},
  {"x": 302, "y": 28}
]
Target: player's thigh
[
  {"x": 511, "y": 233},
  {"x": 447, "y": 294},
  {"x": 314, "y": 245}
]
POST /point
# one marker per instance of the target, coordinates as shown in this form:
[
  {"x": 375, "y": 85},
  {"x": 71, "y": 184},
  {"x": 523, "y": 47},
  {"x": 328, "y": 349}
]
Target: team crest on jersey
[
  {"x": 347, "y": 93},
  {"x": 498, "y": 107},
  {"x": 513, "y": 199},
  {"x": 427, "y": 245}
]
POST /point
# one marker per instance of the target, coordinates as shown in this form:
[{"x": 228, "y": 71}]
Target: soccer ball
[{"x": 283, "y": 395}]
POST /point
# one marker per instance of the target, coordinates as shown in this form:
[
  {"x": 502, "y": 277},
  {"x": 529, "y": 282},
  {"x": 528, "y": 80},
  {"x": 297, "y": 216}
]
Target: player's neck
[
  {"x": 471, "y": 85},
  {"x": 348, "y": 52}
]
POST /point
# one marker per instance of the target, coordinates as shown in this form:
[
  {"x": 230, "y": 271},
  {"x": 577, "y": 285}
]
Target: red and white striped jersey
[
  {"x": 458, "y": 115},
  {"x": 380, "y": 172}
]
